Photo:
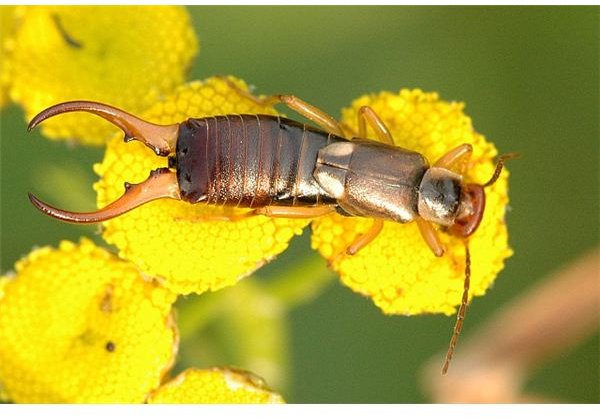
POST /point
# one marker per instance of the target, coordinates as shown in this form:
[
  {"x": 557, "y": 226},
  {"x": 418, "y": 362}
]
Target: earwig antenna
[
  {"x": 161, "y": 183},
  {"x": 499, "y": 166},
  {"x": 462, "y": 311},
  {"x": 160, "y": 138}
]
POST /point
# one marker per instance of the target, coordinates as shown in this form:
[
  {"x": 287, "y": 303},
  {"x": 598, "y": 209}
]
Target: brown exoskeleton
[{"x": 281, "y": 168}]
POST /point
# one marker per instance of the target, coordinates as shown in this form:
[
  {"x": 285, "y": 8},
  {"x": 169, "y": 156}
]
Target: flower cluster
[
  {"x": 80, "y": 314},
  {"x": 60, "y": 53},
  {"x": 78, "y": 324}
]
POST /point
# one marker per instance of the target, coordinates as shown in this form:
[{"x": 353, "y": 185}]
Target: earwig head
[
  {"x": 472, "y": 203},
  {"x": 162, "y": 183},
  {"x": 160, "y": 138},
  {"x": 470, "y": 211}
]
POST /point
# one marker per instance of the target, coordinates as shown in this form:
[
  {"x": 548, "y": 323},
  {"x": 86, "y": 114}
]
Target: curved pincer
[
  {"x": 162, "y": 183},
  {"x": 160, "y": 138}
]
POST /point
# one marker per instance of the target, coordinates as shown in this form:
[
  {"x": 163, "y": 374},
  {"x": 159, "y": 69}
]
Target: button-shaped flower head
[
  {"x": 77, "y": 324},
  {"x": 126, "y": 56},
  {"x": 397, "y": 270}
]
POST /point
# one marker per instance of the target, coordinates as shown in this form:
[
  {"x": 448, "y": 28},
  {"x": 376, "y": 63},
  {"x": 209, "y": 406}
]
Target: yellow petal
[
  {"x": 79, "y": 325},
  {"x": 217, "y": 385},
  {"x": 174, "y": 240},
  {"x": 124, "y": 56},
  {"x": 397, "y": 270}
]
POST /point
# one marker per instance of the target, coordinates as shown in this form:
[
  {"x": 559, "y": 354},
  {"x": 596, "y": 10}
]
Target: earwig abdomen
[{"x": 250, "y": 161}]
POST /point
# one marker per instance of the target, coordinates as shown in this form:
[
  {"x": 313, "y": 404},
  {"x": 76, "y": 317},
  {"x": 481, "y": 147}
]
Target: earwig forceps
[{"x": 162, "y": 183}]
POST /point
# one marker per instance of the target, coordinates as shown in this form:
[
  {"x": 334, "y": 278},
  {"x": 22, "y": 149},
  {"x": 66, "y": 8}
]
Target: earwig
[{"x": 281, "y": 168}]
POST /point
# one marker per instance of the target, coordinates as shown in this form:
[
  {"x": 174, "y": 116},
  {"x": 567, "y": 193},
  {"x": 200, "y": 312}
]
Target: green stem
[
  {"x": 303, "y": 282},
  {"x": 300, "y": 284},
  {"x": 196, "y": 312}
]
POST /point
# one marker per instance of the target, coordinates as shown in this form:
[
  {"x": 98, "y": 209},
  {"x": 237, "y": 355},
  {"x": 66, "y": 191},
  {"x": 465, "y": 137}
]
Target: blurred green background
[{"x": 529, "y": 77}]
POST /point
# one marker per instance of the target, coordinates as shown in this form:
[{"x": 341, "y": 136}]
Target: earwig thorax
[{"x": 439, "y": 195}]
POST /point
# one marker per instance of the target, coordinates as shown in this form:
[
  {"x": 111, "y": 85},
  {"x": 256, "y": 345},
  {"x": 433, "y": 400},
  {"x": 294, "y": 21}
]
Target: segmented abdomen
[{"x": 250, "y": 161}]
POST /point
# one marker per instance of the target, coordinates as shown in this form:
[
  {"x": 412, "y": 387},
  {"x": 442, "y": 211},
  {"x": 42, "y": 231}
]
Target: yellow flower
[
  {"x": 217, "y": 385},
  {"x": 125, "y": 56},
  {"x": 397, "y": 270},
  {"x": 9, "y": 21},
  {"x": 174, "y": 240},
  {"x": 79, "y": 325}
]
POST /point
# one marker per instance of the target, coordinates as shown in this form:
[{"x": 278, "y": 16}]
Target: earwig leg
[
  {"x": 217, "y": 218},
  {"x": 366, "y": 238},
  {"x": 261, "y": 101},
  {"x": 462, "y": 311},
  {"x": 459, "y": 155},
  {"x": 307, "y": 110},
  {"x": 270, "y": 211},
  {"x": 430, "y": 236},
  {"x": 293, "y": 211},
  {"x": 161, "y": 183},
  {"x": 312, "y": 113},
  {"x": 367, "y": 115},
  {"x": 361, "y": 241}
]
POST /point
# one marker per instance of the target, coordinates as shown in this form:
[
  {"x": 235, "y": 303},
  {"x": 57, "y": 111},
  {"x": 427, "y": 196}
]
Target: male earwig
[{"x": 281, "y": 168}]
